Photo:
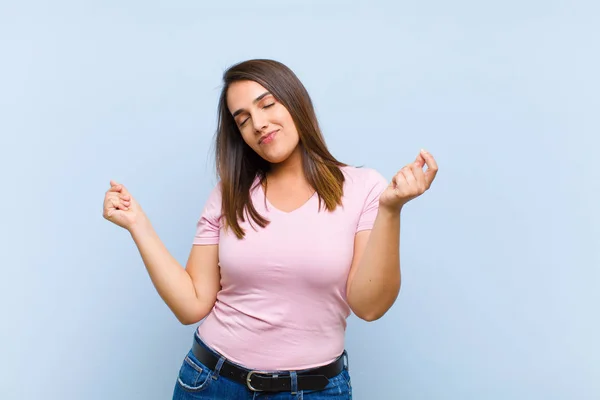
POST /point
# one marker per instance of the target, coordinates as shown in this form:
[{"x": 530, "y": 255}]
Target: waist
[
  {"x": 245, "y": 343},
  {"x": 268, "y": 381}
]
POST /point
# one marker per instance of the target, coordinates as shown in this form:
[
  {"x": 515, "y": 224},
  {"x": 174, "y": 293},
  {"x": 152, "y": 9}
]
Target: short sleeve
[
  {"x": 375, "y": 184},
  {"x": 209, "y": 224}
]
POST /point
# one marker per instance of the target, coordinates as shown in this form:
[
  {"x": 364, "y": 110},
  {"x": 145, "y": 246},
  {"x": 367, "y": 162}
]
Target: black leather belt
[{"x": 257, "y": 381}]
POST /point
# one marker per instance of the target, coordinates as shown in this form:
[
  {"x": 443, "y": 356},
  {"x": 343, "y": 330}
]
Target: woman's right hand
[{"x": 121, "y": 208}]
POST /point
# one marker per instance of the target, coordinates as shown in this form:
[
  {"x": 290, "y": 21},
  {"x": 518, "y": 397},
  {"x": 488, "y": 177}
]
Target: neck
[{"x": 290, "y": 169}]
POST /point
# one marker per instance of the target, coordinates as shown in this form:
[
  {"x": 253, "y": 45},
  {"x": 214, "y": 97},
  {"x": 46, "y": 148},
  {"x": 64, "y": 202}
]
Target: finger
[
  {"x": 118, "y": 204},
  {"x": 408, "y": 175},
  {"x": 399, "y": 180},
  {"x": 119, "y": 196},
  {"x": 420, "y": 161},
  {"x": 115, "y": 188},
  {"x": 432, "y": 167},
  {"x": 124, "y": 190},
  {"x": 417, "y": 171},
  {"x": 119, "y": 188},
  {"x": 108, "y": 208},
  {"x": 111, "y": 212}
]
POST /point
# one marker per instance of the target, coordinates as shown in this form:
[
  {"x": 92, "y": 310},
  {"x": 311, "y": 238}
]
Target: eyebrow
[{"x": 256, "y": 100}]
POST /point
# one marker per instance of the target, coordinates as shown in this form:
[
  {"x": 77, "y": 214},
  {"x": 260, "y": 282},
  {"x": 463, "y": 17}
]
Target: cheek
[
  {"x": 245, "y": 137},
  {"x": 288, "y": 122},
  {"x": 291, "y": 128}
]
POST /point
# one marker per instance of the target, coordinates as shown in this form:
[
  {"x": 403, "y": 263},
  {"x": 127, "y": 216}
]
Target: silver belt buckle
[{"x": 249, "y": 383}]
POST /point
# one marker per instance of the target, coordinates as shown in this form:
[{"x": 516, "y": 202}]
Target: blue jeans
[{"x": 195, "y": 381}]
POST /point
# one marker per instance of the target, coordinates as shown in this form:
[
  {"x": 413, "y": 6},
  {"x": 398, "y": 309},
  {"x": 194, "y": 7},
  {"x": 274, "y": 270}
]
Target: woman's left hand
[{"x": 410, "y": 182}]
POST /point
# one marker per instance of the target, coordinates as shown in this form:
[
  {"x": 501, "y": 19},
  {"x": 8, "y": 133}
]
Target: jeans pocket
[{"x": 193, "y": 375}]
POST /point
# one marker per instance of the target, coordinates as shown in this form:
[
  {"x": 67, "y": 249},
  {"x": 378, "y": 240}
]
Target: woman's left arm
[{"x": 374, "y": 278}]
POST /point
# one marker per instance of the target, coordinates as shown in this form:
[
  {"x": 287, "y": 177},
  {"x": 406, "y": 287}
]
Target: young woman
[{"x": 290, "y": 242}]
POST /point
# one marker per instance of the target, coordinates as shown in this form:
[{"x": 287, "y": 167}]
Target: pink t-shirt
[{"x": 283, "y": 300}]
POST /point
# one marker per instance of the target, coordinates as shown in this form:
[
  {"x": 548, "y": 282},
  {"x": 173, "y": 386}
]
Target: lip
[{"x": 263, "y": 137}]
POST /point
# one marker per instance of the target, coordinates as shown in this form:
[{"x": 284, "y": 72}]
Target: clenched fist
[{"x": 121, "y": 208}]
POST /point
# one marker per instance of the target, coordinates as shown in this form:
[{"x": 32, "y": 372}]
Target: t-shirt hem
[{"x": 205, "y": 241}]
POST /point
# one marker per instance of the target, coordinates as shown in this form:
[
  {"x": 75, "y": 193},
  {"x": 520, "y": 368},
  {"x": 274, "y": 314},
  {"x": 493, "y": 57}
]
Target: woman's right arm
[{"x": 190, "y": 293}]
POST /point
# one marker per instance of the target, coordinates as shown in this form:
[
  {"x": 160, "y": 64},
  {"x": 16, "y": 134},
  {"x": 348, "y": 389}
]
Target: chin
[{"x": 276, "y": 158}]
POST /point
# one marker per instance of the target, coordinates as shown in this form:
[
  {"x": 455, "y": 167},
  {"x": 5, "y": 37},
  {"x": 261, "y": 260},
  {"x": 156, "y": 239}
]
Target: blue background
[{"x": 500, "y": 258}]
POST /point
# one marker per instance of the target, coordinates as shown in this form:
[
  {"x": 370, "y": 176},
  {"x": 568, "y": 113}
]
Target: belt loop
[
  {"x": 217, "y": 370},
  {"x": 294, "y": 378},
  {"x": 346, "y": 360}
]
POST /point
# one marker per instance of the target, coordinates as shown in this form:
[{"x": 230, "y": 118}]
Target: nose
[{"x": 260, "y": 122}]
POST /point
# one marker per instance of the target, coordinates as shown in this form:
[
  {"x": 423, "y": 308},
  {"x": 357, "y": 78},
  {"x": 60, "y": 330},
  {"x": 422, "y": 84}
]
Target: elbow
[
  {"x": 188, "y": 321},
  {"x": 191, "y": 318},
  {"x": 370, "y": 316},
  {"x": 373, "y": 310}
]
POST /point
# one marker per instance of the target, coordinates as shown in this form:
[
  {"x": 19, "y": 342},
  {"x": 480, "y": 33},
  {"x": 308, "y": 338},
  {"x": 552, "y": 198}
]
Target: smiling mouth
[{"x": 268, "y": 137}]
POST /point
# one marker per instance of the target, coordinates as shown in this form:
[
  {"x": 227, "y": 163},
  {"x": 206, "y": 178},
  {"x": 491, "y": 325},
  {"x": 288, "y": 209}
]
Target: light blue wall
[{"x": 500, "y": 259}]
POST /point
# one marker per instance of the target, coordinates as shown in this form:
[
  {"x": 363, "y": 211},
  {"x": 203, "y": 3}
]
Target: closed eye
[{"x": 266, "y": 106}]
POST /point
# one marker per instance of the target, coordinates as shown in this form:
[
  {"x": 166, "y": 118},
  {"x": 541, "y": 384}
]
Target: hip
[{"x": 206, "y": 374}]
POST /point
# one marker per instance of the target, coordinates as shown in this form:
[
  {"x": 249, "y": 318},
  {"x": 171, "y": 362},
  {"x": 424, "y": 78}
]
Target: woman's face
[{"x": 265, "y": 124}]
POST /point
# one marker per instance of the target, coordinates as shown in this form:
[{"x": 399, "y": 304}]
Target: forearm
[
  {"x": 376, "y": 283},
  {"x": 172, "y": 282}
]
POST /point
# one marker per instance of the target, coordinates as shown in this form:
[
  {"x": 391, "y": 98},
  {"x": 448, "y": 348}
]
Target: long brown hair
[{"x": 238, "y": 165}]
